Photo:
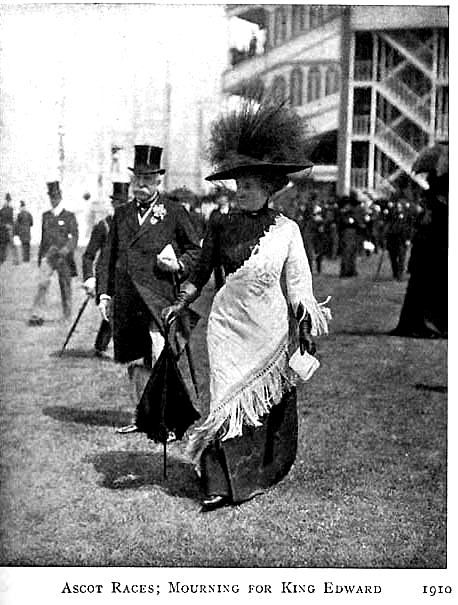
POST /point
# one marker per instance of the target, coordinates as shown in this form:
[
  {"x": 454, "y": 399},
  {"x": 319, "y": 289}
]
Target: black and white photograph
[{"x": 224, "y": 296}]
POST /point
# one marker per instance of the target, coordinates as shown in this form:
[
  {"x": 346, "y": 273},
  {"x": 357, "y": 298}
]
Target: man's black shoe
[{"x": 213, "y": 503}]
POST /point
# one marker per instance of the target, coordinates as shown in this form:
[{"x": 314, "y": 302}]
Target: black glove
[
  {"x": 188, "y": 293},
  {"x": 306, "y": 342}
]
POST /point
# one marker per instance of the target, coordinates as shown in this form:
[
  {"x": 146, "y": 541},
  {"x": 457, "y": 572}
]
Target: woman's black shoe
[{"x": 213, "y": 503}]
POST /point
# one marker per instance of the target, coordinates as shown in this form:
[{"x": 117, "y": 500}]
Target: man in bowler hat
[
  {"x": 59, "y": 238},
  {"x": 152, "y": 245},
  {"x": 97, "y": 247}
]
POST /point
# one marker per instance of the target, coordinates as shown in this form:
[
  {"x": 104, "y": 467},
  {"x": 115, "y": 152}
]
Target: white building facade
[{"x": 371, "y": 82}]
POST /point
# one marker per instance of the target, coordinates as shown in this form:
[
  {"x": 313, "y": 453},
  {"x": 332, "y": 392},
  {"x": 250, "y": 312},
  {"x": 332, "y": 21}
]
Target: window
[
  {"x": 280, "y": 25},
  {"x": 316, "y": 16},
  {"x": 295, "y": 87},
  {"x": 332, "y": 81},
  {"x": 299, "y": 19},
  {"x": 279, "y": 88},
  {"x": 304, "y": 18},
  {"x": 313, "y": 84},
  {"x": 295, "y": 19}
]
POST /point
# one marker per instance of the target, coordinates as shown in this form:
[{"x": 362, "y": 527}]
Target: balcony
[
  {"x": 442, "y": 128},
  {"x": 361, "y": 125},
  {"x": 321, "y": 115},
  {"x": 310, "y": 46},
  {"x": 358, "y": 178},
  {"x": 363, "y": 71}
]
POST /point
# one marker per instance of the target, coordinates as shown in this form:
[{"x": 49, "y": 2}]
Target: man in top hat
[
  {"x": 97, "y": 247},
  {"x": 152, "y": 245},
  {"x": 22, "y": 227},
  {"x": 59, "y": 238}
]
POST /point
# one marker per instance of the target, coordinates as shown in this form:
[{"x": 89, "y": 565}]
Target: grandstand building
[{"x": 371, "y": 83}]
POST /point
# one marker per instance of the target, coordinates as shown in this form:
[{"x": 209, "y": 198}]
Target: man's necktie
[{"x": 143, "y": 207}]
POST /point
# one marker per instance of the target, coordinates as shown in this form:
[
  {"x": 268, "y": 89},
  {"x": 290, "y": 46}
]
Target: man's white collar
[{"x": 58, "y": 209}]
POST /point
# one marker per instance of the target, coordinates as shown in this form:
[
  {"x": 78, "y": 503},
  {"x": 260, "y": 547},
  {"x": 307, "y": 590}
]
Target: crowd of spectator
[{"x": 333, "y": 228}]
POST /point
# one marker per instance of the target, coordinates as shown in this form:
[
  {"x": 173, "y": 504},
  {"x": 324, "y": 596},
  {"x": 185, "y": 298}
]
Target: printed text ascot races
[{"x": 178, "y": 587}]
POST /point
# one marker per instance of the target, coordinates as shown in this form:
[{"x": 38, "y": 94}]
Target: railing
[
  {"x": 363, "y": 71},
  {"x": 359, "y": 178},
  {"x": 395, "y": 143},
  {"x": 381, "y": 182},
  {"x": 416, "y": 47},
  {"x": 361, "y": 125},
  {"x": 410, "y": 98},
  {"x": 442, "y": 127},
  {"x": 442, "y": 70}
]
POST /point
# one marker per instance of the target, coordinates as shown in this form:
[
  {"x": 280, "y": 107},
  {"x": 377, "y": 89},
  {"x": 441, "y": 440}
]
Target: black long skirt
[{"x": 245, "y": 466}]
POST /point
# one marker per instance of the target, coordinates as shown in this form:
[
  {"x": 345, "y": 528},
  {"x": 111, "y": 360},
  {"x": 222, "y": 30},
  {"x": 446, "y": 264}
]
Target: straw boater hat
[
  {"x": 259, "y": 137},
  {"x": 147, "y": 160}
]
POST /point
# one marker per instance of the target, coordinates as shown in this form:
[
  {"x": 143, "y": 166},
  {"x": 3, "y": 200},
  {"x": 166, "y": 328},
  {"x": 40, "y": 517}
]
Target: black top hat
[
  {"x": 8, "y": 197},
  {"x": 120, "y": 192},
  {"x": 147, "y": 160},
  {"x": 53, "y": 188}
]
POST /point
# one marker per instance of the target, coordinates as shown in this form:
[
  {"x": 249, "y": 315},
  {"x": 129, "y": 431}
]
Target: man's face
[
  {"x": 117, "y": 202},
  {"x": 55, "y": 199},
  {"x": 145, "y": 186}
]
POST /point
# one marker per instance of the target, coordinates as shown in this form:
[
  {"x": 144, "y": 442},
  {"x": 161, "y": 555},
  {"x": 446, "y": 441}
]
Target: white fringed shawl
[{"x": 247, "y": 334}]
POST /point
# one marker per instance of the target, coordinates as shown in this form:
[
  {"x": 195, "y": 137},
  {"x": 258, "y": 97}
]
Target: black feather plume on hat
[{"x": 259, "y": 132}]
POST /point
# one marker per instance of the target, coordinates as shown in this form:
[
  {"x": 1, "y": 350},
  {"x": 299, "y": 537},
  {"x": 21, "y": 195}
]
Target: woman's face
[{"x": 251, "y": 195}]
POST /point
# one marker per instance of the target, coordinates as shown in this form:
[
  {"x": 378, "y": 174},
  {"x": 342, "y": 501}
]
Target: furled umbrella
[{"x": 166, "y": 405}]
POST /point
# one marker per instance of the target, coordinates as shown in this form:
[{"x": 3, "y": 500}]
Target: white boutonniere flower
[{"x": 158, "y": 213}]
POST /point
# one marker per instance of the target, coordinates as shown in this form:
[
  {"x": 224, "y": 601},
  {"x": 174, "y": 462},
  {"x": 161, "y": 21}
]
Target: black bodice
[{"x": 230, "y": 240}]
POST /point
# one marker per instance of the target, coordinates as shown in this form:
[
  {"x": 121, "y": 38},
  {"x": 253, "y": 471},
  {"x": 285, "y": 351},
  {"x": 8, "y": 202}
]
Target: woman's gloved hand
[
  {"x": 188, "y": 293},
  {"x": 306, "y": 343}
]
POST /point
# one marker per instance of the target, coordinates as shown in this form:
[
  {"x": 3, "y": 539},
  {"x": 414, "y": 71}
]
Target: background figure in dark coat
[
  {"x": 424, "y": 312},
  {"x": 152, "y": 244},
  {"x": 59, "y": 238},
  {"x": 351, "y": 227},
  {"x": 223, "y": 209},
  {"x": 397, "y": 237},
  {"x": 319, "y": 237},
  {"x": 97, "y": 247},
  {"x": 7, "y": 231},
  {"x": 22, "y": 227}
]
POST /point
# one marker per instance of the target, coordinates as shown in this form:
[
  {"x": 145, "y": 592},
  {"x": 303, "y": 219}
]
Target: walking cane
[
  {"x": 187, "y": 348},
  {"x": 380, "y": 263},
  {"x": 75, "y": 323}
]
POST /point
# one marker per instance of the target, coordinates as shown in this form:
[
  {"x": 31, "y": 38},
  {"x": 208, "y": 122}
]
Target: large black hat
[
  {"x": 120, "y": 192},
  {"x": 242, "y": 165},
  {"x": 53, "y": 188},
  {"x": 260, "y": 136},
  {"x": 147, "y": 160}
]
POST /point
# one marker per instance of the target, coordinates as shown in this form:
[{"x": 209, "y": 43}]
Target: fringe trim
[
  {"x": 319, "y": 314},
  {"x": 246, "y": 406}
]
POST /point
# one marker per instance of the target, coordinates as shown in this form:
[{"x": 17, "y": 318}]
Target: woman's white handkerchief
[{"x": 303, "y": 365}]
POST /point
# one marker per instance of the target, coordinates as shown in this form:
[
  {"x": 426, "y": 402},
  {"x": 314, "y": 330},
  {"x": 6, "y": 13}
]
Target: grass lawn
[{"x": 368, "y": 488}]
